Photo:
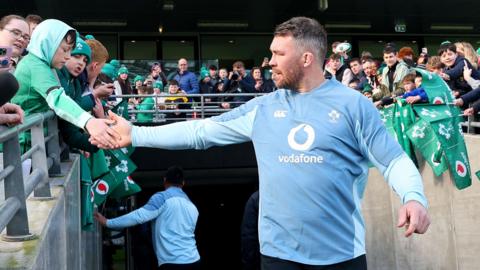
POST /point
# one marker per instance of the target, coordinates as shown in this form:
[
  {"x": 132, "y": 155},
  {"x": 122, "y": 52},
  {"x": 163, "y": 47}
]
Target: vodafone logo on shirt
[
  {"x": 302, "y": 146},
  {"x": 307, "y": 143}
]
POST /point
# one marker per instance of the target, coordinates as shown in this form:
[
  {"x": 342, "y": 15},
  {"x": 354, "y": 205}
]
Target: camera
[
  {"x": 235, "y": 76},
  {"x": 5, "y": 54}
]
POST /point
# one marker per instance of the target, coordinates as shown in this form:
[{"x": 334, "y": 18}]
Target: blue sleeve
[
  {"x": 232, "y": 127},
  {"x": 148, "y": 212},
  {"x": 471, "y": 96},
  {"x": 422, "y": 94},
  {"x": 194, "y": 84},
  {"x": 386, "y": 154}
]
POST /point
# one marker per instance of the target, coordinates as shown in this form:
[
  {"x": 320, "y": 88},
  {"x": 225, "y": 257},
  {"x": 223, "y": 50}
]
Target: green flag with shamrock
[
  {"x": 423, "y": 138},
  {"x": 436, "y": 88},
  {"x": 120, "y": 167},
  {"x": 445, "y": 121},
  {"x": 387, "y": 114},
  {"x": 127, "y": 188},
  {"x": 86, "y": 199},
  {"x": 403, "y": 119}
]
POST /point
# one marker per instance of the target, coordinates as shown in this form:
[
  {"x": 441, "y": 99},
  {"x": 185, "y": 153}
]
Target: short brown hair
[
  {"x": 239, "y": 64},
  {"x": 434, "y": 63},
  {"x": 6, "y": 19},
  {"x": 308, "y": 34},
  {"x": 99, "y": 52},
  {"x": 33, "y": 18},
  {"x": 146, "y": 89},
  {"x": 405, "y": 51},
  {"x": 409, "y": 78}
]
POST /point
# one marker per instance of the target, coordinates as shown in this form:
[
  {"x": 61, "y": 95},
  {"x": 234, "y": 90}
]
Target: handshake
[{"x": 110, "y": 133}]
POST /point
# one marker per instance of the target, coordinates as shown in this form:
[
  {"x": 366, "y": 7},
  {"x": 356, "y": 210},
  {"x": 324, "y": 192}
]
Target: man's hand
[
  {"x": 98, "y": 110},
  {"x": 11, "y": 114},
  {"x": 413, "y": 216},
  {"x": 468, "y": 112},
  {"x": 413, "y": 99},
  {"x": 102, "y": 133},
  {"x": 458, "y": 102},
  {"x": 121, "y": 127},
  {"x": 100, "y": 218},
  {"x": 467, "y": 72},
  {"x": 103, "y": 90}
]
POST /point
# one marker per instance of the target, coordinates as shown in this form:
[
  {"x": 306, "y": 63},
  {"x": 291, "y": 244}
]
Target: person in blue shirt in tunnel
[
  {"x": 313, "y": 140},
  {"x": 173, "y": 228}
]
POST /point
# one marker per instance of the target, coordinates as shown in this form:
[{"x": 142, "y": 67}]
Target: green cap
[
  {"x": 81, "y": 47},
  {"x": 367, "y": 88},
  {"x": 204, "y": 73},
  {"x": 115, "y": 63},
  {"x": 109, "y": 70},
  {"x": 138, "y": 78},
  {"x": 89, "y": 37},
  {"x": 122, "y": 70},
  {"x": 158, "y": 84},
  {"x": 478, "y": 51}
]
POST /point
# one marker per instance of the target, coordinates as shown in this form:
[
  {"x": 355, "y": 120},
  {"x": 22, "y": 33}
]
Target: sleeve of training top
[
  {"x": 471, "y": 96},
  {"x": 46, "y": 84},
  {"x": 146, "y": 213},
  {"x": 229, "y": 128},
  {"x": 386, "y": 154}
]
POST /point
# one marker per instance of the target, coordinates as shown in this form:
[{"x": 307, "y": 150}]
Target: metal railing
[
  {"x": 45, "y": 157},
  {"x": 200, "y": 106}
]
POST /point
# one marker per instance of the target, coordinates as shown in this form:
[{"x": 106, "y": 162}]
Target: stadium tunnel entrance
[{"x": 219, "y": 182}]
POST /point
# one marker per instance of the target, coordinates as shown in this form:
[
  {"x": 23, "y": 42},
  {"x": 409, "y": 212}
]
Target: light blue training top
[
  {"x": 173, "y": 228},
  {"x": 312, "y": 151}
]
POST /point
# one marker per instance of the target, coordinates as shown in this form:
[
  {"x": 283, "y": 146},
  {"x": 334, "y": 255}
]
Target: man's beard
[{"x": 291, "y": 79}]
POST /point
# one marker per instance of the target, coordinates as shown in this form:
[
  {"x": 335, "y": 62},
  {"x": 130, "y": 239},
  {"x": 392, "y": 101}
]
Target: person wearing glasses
[{"x": 14, "y": 36}]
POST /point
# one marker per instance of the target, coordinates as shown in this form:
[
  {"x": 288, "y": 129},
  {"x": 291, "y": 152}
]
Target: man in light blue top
[
  {"x": 313, "y": 140},
  {"x": 174, "y": 219}
]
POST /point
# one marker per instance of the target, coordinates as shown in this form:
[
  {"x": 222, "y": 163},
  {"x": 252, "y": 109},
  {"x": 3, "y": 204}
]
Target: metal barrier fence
[
  {"x": 199, "y": 106},
  {"x": 45, "y": 157}
]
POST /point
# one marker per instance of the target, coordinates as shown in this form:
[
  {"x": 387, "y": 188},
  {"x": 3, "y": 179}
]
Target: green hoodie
[{"x": 40, "y": 88}]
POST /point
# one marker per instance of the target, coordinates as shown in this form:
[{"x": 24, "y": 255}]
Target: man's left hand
[
  {"x": 413, "y": 216},
  {"x": 100, "y": 218}
]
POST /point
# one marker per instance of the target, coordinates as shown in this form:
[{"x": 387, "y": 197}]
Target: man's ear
[{"x": 307, "y": 58}]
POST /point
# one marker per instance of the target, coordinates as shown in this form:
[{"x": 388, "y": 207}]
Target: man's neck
[{"x": 312, "y": 79}]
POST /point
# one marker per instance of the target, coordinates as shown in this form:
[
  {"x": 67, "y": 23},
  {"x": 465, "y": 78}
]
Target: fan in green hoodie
[
  {"x": 68, "y": 75},
  {"x": 40, "y": 90}
]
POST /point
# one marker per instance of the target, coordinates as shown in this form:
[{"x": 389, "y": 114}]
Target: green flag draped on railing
[{"x": 86, "y": 198}]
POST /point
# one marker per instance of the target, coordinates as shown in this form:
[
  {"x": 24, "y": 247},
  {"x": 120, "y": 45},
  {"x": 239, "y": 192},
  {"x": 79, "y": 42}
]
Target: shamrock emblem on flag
[
  {"x": 428, "y": 113},
  {"x": 122, "y": 166},
  {"x": 108, "y": 160},
  {"x": 444, "y": 131},
  {"x": 418, "y": 132}
]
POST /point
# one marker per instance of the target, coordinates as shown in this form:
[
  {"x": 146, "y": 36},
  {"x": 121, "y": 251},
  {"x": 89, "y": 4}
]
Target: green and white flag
[
  {"x": 436, "y": 88},
  {"x": 451, "y": 138},
  {"x": 403, "y": 119},
  {"x": 387, "y": 114},
  {"x": 423, "y": 138},
  {"x": 127, "y": 188},
  {"x": 120, "y": 167},
  {"x": 86, "y": 199}
]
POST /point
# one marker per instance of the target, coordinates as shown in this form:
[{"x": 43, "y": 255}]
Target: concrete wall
[
  {"x": 60, "y": 243},
  {"x": 453, "y": 239}
]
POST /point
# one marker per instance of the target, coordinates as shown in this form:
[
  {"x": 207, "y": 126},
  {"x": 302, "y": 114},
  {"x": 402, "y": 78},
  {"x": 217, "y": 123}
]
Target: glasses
[{"x": 17, "y": 34}]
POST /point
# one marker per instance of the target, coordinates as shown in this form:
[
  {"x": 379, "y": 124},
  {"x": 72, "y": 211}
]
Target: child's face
[
  {"x": 123, "y": 76},
  {"x": 418, "y": 82},
  {"x": 223, "y": 73},
  {"x": 367, "y": 94},
  {"x": 448, "y": 58},
  {"x": 408, "y": 86},
  {"x": 173, "y": 89},
  {"x": 76, "y": 64},
  {"x": 62, "y": 55},
  {"x": 138, "y": 84}
]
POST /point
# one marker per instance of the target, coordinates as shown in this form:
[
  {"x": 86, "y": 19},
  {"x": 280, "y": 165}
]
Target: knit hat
[
  {"x": 158, "y": 84},
  {"x": 204, "y": 73},
  {"x": 478, "y": 51},
  {"x": 115, "y": 63},
  {"x": 89, "y": 37},
  {"x": 122, "y": 70},
  {"x": 367, "y": 89},
  {"x": 82, "y": 48},
  {"x": 109, "y": 70},
  {"x": 138, "y": 78}
]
